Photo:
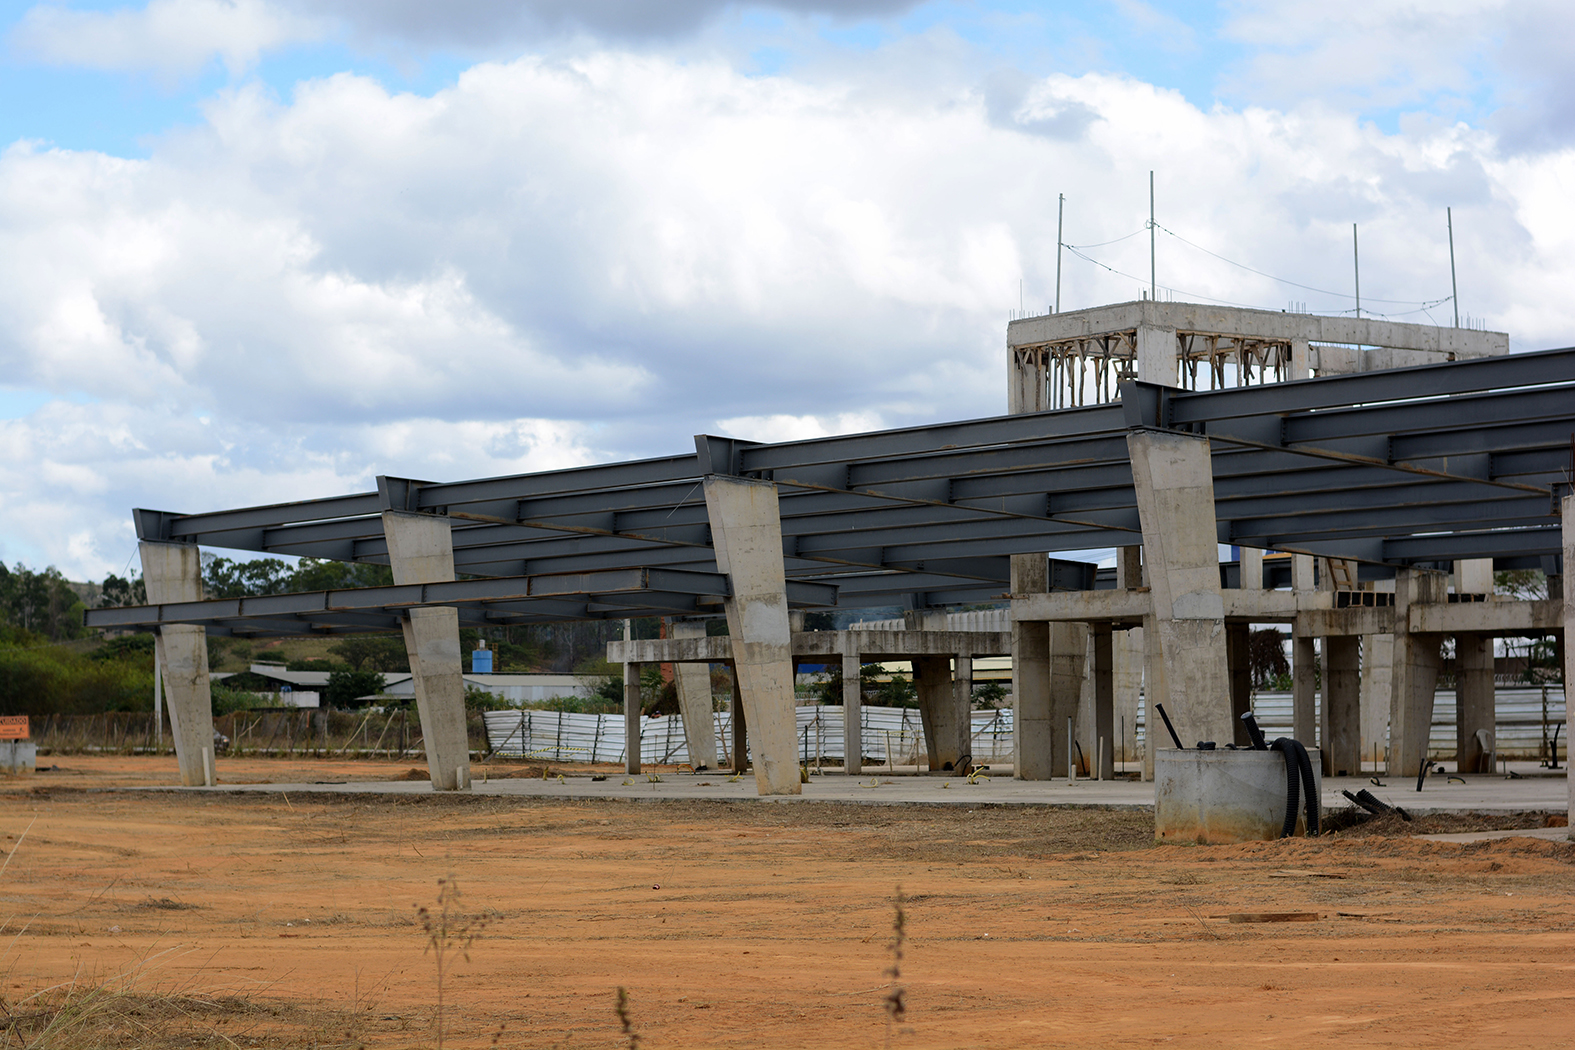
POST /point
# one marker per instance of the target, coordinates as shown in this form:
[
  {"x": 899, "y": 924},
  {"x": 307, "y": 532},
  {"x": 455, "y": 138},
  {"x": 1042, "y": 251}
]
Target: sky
[{"x": 254, "y": 251}]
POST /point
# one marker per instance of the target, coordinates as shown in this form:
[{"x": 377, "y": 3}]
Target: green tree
[
  {"x": 42, "y": 602},
  {"x": 373, "y": 652},
  {"x": 345, "y": 688},
  {"x": 115, "y": 592}
]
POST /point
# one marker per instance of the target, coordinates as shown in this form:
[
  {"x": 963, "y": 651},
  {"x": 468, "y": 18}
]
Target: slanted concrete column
[
  {"x": 1568, "y": 509},
  {"x": 1175, "y": 496},
  {"x": 746, "y": 530},
  {"x": 852, "y": 714},
  {"x": 740, "y": 728},
  {"x": 1304, "y": 691},
  {"x": 1104, "y": 700},
  {"x": 1475, "y": 703},
  {"x": 633, "y": 705},
  {"x": 1414, "y": 674},
  {"x": 1342, "y": 716},
  {"x": 421, "y": 550},
  {"x": 172, "y": 572},
  {"x": 693, "y": 683},
  {"x": 1032, "y": 736},
  {"x": 1238, "y": 653}
]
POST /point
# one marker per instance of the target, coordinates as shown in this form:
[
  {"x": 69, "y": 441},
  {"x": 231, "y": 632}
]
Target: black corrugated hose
[{"x": 1298, "y": 775}]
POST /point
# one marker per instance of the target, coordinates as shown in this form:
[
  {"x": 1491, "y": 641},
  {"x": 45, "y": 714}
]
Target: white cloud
[
  {"x": 798, "y": 428},
  {"x": 169, "y": 37},
  {"x": 552, "y": 262}
]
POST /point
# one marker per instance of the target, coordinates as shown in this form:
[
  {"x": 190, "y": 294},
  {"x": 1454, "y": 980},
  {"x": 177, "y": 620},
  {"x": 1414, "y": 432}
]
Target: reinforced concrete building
[{"x": 1375, "y": 455}]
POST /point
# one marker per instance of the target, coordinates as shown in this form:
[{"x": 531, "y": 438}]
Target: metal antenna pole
[
  {"x": 1153, "y": 284},
  {"x": 1356, "y": 257},
  {"x": 1454, "y": 289},
  {"x": 1060, "y": 215}
]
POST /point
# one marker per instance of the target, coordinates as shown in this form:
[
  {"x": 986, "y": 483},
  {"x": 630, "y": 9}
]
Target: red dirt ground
[{"x": 272, "y": 921}]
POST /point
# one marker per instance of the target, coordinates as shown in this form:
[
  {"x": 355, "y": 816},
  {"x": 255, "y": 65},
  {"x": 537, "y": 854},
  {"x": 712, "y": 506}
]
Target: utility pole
[
  {"x": 1060, "y": 215},
  {"x": 1356, "y": 257},
  {"x": 1454, "y": 289},
  {"x": 1153, "y": 283}
]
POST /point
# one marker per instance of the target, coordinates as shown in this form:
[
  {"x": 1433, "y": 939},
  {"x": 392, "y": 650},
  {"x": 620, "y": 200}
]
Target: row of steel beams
[{"x": 1417, "y": 464}]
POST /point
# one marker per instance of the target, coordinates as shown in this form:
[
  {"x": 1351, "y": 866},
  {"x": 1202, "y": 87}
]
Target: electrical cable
[{"x": 1295, "y": 284}]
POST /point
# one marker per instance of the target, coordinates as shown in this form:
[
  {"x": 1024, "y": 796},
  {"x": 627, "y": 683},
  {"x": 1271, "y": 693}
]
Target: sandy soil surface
[{"x": 253, "y": 920}]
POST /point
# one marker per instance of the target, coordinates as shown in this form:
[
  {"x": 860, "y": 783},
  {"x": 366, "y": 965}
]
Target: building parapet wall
[{"x": 1264, "y": 325}]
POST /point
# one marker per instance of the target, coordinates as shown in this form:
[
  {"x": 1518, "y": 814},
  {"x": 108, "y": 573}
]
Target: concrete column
[
  {"x": 746, "y": 530},
  {"x": 1342, "y": 691},
  {"x": 945, "y": 727},
  {"x": 1025, "y": 387},
  {"x": 1475, "y": 703},
  {"x": 1251, "y": 568},
  {"x": 852, "y": 716},
  {"x": 1068, "y": 674},
  {"x": 1104, "y": 700},
  {"x": 693, "y": 683},
  {"x": 1128, "y": 659},
  {"x": 1032, "y": 732},
  {"x": 962, "y": 699},
  {"x": 1568, "y": 510},
  {"x": 421, "y": 550},
  {"x": 1303, "y": 578},
  {"x": 1129, "y": 568},
  {"x": 633, "y": 705},
  {"x": 1156, "y": 691},
  {"x": 1238, "y": 653},
  {"x": 1156, "y": 355},
  {"x": 1175, "y": 496},
  {"x": 1414, "y": 674},
  {"x": 740, "y": 728},
  {"x": 1128, "y": 679},
  {"x": 1474, "y": 576},
  {"x": 172, "y": 572},
  {"x": 1304, "y": 691},
  {"x": 1301, "y": 364}
]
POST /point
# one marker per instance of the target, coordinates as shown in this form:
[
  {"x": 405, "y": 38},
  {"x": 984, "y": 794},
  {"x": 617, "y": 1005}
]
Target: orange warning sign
[{"x": 13, "y": 727}]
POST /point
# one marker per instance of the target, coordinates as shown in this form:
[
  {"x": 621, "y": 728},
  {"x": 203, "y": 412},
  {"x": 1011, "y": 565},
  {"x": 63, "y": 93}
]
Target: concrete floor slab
[
  {"x": 1478, "y": 793},
  {"x": 1550, "y": 834}
]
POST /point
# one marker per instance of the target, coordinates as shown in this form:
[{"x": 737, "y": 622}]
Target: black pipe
[
  {"x": 1372, "y": 802},
  {"x": 1254, "y": 733},
  {"x": 1292, "y": 784},
  {"x": 1427, "y": 767},
  {"x": 1309, "y": 788},
  {"x": 1161, "y": 709}
]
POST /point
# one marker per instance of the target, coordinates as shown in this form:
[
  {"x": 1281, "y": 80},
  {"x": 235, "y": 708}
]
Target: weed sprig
[
  {"x": 449, "y": 932},
  {"x": 896, "y": 1006}
]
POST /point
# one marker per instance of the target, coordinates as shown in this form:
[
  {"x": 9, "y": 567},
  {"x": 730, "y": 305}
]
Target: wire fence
[
  {"x": 890, "y": 735},
  {"x": 1530, "y": 721},
  {"x": 323, "y": 733}
]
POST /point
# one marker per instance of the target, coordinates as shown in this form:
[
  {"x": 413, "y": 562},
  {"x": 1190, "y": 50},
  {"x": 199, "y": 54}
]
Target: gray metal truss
[{"x": 1414, "y": 465}]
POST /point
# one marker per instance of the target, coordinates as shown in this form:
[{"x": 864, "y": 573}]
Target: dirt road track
[{"x": 744, "y": 926}]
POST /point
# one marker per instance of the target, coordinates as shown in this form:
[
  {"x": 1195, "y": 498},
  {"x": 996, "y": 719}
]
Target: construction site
[{"x": 1117, "y": 851}]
